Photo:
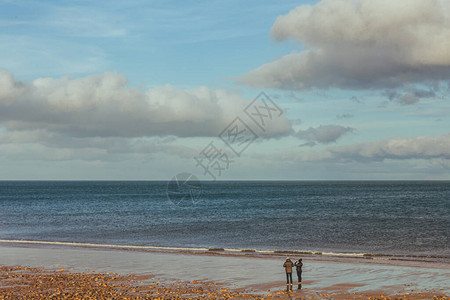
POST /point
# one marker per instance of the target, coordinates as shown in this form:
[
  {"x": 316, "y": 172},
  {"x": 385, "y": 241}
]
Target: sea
[{"x": 369, "y": 218}]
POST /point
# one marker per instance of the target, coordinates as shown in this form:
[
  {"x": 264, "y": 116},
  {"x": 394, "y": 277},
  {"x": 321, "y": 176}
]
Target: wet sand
[{"x": 240, "y": 275}]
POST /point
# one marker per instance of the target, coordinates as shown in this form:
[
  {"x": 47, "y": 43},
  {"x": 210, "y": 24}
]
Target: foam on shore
[{"x": 375, "y": 256}]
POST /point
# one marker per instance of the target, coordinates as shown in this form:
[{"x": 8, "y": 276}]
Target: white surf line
[
  {"x": 232, "y": 250},
  {"x": 102, "y": 245},
  {"x": 343, "y": 254},
  {"x": 265, "y": 251},
  {"x": 235, "y": 250}
]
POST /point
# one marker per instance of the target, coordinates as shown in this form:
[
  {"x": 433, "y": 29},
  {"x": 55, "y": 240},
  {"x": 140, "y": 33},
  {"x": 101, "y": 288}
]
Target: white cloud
[
  {"x": 10, "y": 90},
  {"x": 324, "y": 134},
  {"x": 399, "y": 149},
  {"x": 419, "y": 147},
  {"x": 364, "y": 44},
  {"x": 410, "y": 95},
  {"x": 102, "y": 105},
  {"x": 42, "y": 145}
]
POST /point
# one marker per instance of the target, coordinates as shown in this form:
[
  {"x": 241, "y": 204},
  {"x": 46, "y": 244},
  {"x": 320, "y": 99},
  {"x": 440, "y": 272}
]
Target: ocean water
[{"x": 383, "y": 218}]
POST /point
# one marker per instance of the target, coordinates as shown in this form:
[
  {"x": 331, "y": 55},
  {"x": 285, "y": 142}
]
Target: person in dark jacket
[
  {"x": 288, "y": 264},
  {"x": 298, "y": 267}
]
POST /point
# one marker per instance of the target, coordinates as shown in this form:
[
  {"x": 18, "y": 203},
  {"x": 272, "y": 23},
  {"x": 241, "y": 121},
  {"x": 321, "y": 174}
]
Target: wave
[{"x": 229, "y": 250}]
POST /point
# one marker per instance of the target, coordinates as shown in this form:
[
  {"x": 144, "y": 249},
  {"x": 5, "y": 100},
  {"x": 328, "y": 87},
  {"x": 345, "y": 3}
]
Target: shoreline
[
  {"x": 430, "y": 260},
  {"x": 240, "y": 271}
]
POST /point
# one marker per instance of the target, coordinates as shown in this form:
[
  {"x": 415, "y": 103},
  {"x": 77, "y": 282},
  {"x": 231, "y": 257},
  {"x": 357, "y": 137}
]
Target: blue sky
[
  {"x": 153, "y": 43},
  {"x": 137, "y": 89}
]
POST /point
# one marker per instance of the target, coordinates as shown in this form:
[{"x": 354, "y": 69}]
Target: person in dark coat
[
  {"x": 288, "y": 264},
  {"x": 298, "y": 267}
]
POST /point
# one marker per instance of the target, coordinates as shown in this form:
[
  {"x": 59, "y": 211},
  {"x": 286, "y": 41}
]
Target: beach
[
  {"x": 104, "y": 240},
  {"x": 166, "y": 273}
]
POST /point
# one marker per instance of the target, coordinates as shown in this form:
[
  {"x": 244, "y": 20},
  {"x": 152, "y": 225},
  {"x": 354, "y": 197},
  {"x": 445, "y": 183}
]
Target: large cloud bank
[
  {"x": 102, "y": 105},
  {"x": 362, "y": 44}
]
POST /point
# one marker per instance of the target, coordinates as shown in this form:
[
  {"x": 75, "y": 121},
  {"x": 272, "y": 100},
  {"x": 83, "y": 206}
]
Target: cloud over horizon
[
  {"x": 416, "y": 147},
  {"x": 323, "y": 134},
  {"x": 102, "y": 105},
  {"x": 364, "y": 44}
]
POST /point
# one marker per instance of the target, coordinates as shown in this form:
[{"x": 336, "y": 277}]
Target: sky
[{"x": 225, "y": 90}]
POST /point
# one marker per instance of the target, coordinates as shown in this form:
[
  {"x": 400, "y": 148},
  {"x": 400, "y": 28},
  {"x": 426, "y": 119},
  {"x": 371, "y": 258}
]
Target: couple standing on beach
[{"x": 288, "y": 265}]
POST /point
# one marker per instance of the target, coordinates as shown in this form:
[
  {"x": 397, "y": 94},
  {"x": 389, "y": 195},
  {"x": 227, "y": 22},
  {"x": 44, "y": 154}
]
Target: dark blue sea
[{"x": 383, "y": 218}]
